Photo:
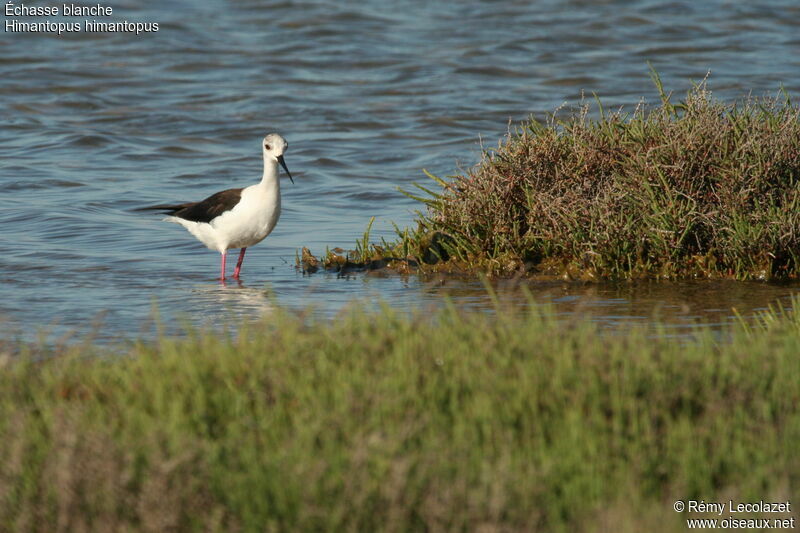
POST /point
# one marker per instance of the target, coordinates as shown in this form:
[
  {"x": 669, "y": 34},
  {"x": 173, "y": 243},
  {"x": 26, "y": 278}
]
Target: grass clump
[
  {"x": 385, "y": 422},
  {"x": 693, "y": 189}
]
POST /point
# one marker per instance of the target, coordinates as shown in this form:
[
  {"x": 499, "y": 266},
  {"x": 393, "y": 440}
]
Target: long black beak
[{"x": 283, "y": 164}]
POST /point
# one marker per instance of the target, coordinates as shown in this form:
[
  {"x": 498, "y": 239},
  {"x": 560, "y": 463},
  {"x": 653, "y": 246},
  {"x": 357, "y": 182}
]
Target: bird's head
[{"x": 273, "y": 146}]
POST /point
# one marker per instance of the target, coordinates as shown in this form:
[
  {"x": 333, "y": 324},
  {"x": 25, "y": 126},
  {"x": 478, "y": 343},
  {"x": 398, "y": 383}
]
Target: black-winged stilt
[{"x": 236, "y": 218}]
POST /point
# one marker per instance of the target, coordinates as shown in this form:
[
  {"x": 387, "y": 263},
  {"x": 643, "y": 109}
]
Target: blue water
[{"x": 367, "y": 94}]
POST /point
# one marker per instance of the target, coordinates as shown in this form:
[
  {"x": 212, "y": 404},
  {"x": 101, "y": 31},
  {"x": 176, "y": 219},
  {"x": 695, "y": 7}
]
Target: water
[{"x": 367, "y": 95}]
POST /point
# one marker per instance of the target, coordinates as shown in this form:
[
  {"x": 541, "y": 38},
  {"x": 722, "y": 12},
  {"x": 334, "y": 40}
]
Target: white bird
[{"x": 236, "y": 218}]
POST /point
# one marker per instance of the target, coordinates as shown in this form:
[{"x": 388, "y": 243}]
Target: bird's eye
[{"x": 266, "y": 146}]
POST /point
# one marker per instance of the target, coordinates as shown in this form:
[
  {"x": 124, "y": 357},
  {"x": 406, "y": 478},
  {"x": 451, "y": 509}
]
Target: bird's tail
[{"x": 163, "y": 208}]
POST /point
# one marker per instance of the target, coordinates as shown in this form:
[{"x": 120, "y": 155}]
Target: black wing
[{"x": 204, "y": 211}]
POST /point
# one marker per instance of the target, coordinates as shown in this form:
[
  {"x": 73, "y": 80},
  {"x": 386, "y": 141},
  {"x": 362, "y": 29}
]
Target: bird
[{"x": 236, "y": 218}]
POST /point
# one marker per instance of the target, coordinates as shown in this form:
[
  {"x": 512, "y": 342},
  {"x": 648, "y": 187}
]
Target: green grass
[
  {"x": 690, "y": 189},
  {"x": 384, "y": 422}
]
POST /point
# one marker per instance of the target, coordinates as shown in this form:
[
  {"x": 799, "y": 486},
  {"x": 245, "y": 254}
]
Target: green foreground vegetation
[
  {"x": 695, "y": 189},
  {"x": 385, "y": 422}
]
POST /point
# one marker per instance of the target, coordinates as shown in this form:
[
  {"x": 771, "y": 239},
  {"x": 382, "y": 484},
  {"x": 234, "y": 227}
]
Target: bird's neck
[{"x": 270, "y": 176}]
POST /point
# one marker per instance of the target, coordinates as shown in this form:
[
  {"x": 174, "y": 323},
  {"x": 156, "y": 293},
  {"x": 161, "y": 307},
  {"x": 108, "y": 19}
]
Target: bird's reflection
[{"x": 233, "y": 299}]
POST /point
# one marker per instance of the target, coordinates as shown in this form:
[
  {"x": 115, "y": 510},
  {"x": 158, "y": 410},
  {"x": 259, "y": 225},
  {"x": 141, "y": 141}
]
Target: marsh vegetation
[
  {"x": 689, "y": 189},
  {"x": 390, "y": 422}
]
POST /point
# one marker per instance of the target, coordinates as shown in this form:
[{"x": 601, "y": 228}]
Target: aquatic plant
[
  {"x": 390, "y": 422},
  {"x": 697, "y": 188}
]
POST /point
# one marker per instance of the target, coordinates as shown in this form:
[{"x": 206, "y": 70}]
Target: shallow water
[{"x": 367, "y": 95}]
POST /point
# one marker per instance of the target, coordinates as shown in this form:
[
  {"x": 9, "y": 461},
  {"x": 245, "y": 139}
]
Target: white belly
[{"x": 248, "y": 223}]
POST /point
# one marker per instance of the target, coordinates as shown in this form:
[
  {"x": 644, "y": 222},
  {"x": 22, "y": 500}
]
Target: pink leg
[
  {"x": 239, "y": 264},
  {"x": 224, "y": 254}
]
